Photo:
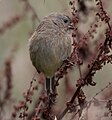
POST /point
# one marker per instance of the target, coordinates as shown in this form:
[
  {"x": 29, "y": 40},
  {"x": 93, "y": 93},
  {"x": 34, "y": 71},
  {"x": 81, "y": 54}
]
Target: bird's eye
[{"x": 65, "y": 20}]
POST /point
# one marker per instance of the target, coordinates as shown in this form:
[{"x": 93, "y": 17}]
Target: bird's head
[{"x": 60, "y": 20}]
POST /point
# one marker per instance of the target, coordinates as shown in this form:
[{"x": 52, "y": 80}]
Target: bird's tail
[{"x": 49, "y": 85}]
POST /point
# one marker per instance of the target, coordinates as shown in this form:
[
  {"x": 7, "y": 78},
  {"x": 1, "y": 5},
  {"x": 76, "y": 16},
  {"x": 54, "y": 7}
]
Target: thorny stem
[
  {"x": 109, "y": 26},
  {"x": 110, "y": 83},
  {"x": 74, "y": 115},
  {"x": 27, "y": 95},
  {"x": 71, "y": 101},
  {"x": 94, "y": 97},
  {"x": 79, "y": 67},
  {"x": 75, "y": 94},
  {"x": 87, "y": 75},
  {"x": 38, "y": 109},
  {"x": 63, "y": 114},
  {"x": 78, "y": 64},
  {"x": 97, "y": 57}
]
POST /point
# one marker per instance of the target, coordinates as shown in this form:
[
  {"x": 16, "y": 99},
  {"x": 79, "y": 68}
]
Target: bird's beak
[{"x": 71, "y": 27}]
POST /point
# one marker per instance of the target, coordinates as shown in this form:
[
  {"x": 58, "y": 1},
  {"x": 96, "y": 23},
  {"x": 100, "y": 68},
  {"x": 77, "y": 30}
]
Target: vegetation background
[{"x": 14, "y": 37}]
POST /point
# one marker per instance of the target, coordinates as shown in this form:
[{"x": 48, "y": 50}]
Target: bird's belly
[
  {"x": 47, "y": 63},
  {"x": 49, "y": 55}
]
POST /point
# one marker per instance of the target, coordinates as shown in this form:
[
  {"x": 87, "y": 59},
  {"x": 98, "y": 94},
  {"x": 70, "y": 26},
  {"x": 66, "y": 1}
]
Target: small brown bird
[{"x": 50, "y": 45}]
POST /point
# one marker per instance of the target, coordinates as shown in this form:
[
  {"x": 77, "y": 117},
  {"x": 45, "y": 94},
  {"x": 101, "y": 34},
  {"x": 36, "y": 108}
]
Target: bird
[{"x": 50, "y": 45}]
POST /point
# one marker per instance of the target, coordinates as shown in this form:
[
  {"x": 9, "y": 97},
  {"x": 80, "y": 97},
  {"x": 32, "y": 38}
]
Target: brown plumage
[{"x": 51, "y": 44}]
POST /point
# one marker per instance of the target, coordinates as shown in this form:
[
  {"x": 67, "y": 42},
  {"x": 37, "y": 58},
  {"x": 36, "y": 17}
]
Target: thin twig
[{"x": 71, "y": 101}]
